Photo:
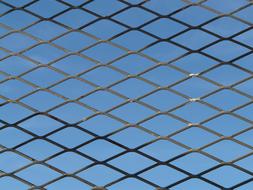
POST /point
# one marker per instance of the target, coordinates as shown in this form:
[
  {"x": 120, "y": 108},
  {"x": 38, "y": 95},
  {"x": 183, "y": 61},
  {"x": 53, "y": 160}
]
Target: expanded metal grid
[{"x": 103, "y": 50}]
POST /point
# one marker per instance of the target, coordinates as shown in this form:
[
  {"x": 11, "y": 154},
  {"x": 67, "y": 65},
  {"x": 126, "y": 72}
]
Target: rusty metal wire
[{"x": 84, "y": 7}]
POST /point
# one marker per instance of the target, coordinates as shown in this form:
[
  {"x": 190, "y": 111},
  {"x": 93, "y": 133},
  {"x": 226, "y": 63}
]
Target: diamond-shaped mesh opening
[
  {"x": 164, "y": 51},
  {"x": 46, "y": 30},
  {"x": 126, "y": 94},
  {"x": 62, "y": 137},
  {"x": 164, "y": 28},
  {"x": 104, "y": 29},
  {"x": 122, "y": 137},
  {"x": 160, "y": 175},
  {"x": 69, "y": 18},
  {"x": 218, "y": 176},
  {"x": 163, "y": 150},
  {"x": 71, "y": 112},
  {"x": 104, "y": 149},
  {"x": 42, "y": 100},
  {"x": 191, "y": 16},
  {"x": 227, "y": 124},
  {"x": 163, "y": 75},
  {"x": 188, "y": 135},
  {"x": 97, "y": 6},
  {"x": 40, "y": 124},
  {"x": 11, "y": 161},
  {"x": 172, "y": 100},
  {"x": 74, "y": 41},
  {"x": 102, "y": 100},
  {"x": 10, "y": 19},
  {"x": 101, "y": 125},
  {"x": 234, "y": 98},
  {"x": 46, "y": 8},
  {"x": 163, "y": 125},
  {"x": 195, "y": 87},
  {"x": 11, "y": 137},
  {"x": 194, "y": 39},
  {"x": 44, "y": 53},
  {"x": 195, "y": 163},
  {"x": 135, "y": 12},
  {"x": 133, "y": 64},
  {"x": 226, "y": 154},
  {"x": 126, "y": 162},
  {"x": 62, "y": 162},
  {"x": 128, "y": 40},
  {"x": 225, "y": 26},
  {"x": 16, "y": 42},
  {"x": 13, "y": 112},
  {"x": 103, "y": 76},
  {"x": 16, "y": 65},
  {"x": 226, "y": 50},
  {"x": 41, "y": 174},
  {"x": 100, "y": 175},
  {"x": 68, "y": 88},
  {"x": 31, "y": 149},
  {"x": 14, "y": 89}
]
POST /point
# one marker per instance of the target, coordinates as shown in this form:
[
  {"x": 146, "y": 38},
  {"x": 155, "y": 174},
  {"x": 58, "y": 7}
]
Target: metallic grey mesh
[{"x": 35, "y": 47}]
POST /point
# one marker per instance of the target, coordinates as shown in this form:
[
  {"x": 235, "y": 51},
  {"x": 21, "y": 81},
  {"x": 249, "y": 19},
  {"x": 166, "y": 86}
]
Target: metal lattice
[{"x": 39, "y": 38}]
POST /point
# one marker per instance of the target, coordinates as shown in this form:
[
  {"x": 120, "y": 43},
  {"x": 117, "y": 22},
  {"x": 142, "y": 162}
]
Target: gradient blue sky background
[{"x": 43, "y": 65}]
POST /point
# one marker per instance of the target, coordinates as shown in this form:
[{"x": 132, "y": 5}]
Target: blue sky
[{"x": 150, "y": 77}]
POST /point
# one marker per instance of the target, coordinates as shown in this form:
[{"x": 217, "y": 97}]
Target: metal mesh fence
[{"x": 126, "y": 94}]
